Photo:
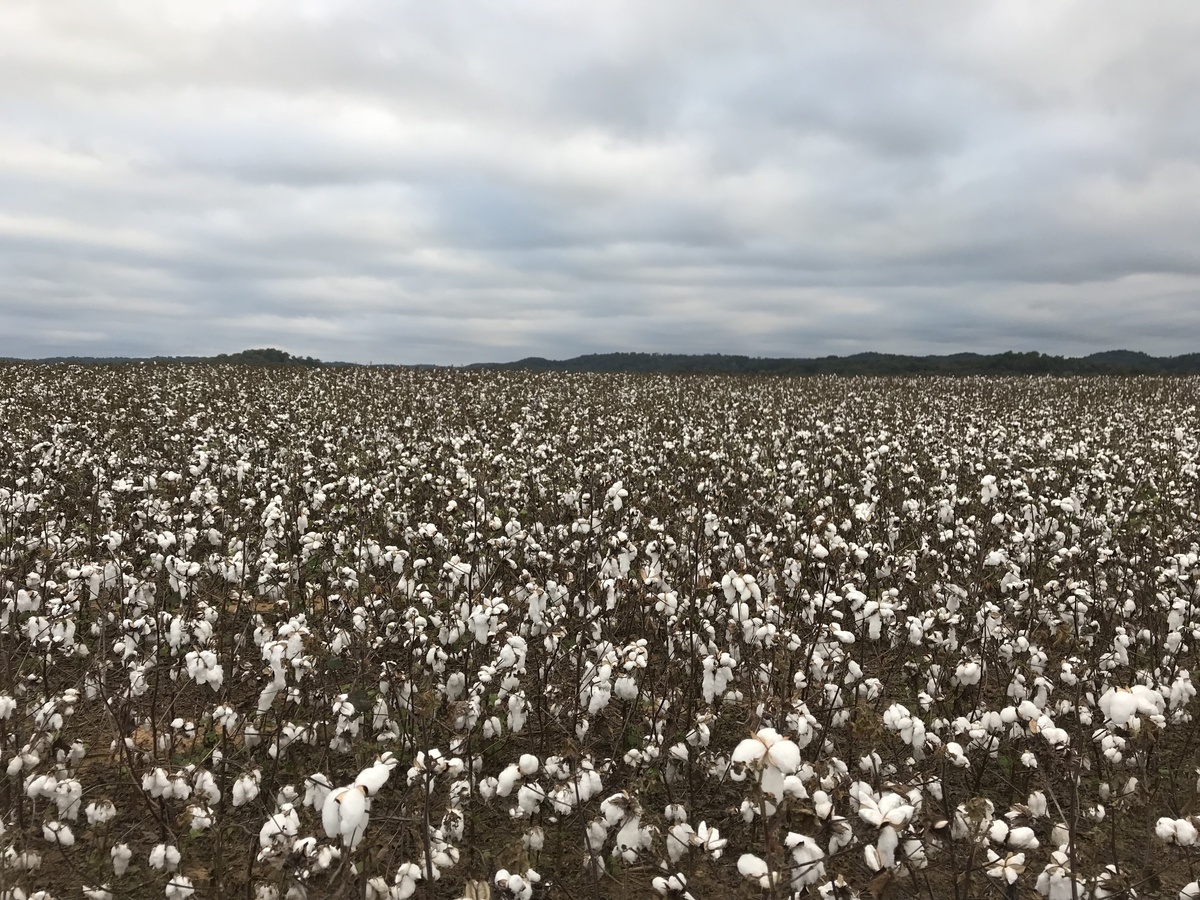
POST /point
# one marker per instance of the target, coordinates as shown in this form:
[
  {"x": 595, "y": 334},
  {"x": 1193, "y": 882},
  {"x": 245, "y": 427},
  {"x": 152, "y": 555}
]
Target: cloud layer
[{"x": 461, "y": 181}]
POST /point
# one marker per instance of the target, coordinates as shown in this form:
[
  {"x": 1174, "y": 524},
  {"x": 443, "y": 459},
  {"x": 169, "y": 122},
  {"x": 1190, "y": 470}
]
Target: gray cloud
[{"x": 455, "y": 182}]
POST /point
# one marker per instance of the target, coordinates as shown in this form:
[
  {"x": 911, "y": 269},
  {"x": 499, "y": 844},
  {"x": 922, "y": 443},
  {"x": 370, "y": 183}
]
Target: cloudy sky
[{"x": 379, "y": 180}]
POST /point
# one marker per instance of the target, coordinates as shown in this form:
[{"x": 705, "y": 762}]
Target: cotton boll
[
  {"x": 245, "y": 788},
  {"x": 507, "y": 779},
  {"x": 534, "y": 839},
  {"x": 165, "y": 856},
  {"x": 1037, "y": 804},
  {"x": 1023, "y": 838},
  {"x": 345, "y": 814},
  {"x": 98, "y": 813},
  {"x": 375, "y": 776},
  {"x": 889, "y": 840},
  {"x": 179, "y": 888},
  {"x": 406, "y": 880},
  {"x": 1119, "y": 706},
  {"x": 1165, "y": 829},
  {"x": 58, "y": 833},
  {"x": 1185, "y": 833},
  {"x": 121, "y": 855},
  {"x": 752, "y": 867}
]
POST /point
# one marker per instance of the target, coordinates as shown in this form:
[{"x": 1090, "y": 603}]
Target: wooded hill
[{"x": 1110, "y": 362}]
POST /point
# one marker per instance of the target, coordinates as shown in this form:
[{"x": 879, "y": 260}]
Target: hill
[{"x": 1113, "y": 362}]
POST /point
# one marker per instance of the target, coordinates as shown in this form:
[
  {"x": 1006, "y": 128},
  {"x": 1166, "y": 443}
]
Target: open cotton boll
[
  {"x": 165, "y": 856},
  {"x": 751, "y": 866},
  {"x": 316, "y": 788},
  {"x": 807, "y": 856},
  {"x": 405, "y": 882},
  {"x": 58, "y": 833},
  {"x": 889, "y": 840},
  {"x": 672, "y": 886},
  {"x": 1005, "y": 868},
  {"x": 507, "y": 779},
  {"x": 179, "y": 888},
  {"x": 121, "y": 855},
  {"x": 376, "y": 775},
  {"x": 100, "y": 812},
  {"x": 679, "y": 840},
  {"x": 345, "y": 814},
  {"x": 1118, "y": 706},
  {"x": 529, "y": 798},
  {"x": 1180, "y": 832}
]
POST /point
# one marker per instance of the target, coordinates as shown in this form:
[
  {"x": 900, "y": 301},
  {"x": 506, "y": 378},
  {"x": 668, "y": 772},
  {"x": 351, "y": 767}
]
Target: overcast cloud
[{"x": 462, "y": 181}]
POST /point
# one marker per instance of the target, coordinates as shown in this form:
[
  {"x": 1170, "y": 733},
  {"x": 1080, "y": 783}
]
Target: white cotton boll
[
  {"x": 326, "y": 857},
  {"x": 179, "y": 888},
  {"x": 316, "y": 788},
  {"x": 97, "y": 893},
  {"x": 679, "y": 840},
  {"x": 1060, "y": 835},
  {"x": 807, "y": 868},
  {"x": 784, "y": 755},
  {"x": 1037, "y": 804},
  {"x": 772, "y": 783},
  {"x": 534, "y": 839},
  {"x": 245, "y": 789},
  {"x": 752, "y": 867},
  {"x": 1190, "y": 891},
  {"x": 377, "y": 888},
  {"x": 58, "y": 833},
  {"x": 345, "y": 814},
  {"x": 528, "y": 764},
  {"x": 675, "y": 812},
  {"x": 529, "y": 798},
  {"x": 165, "y": 856},
  {"x": 1119, "y": 706},
  {"x": 751, "y": 750},
  {"x": 507, "y": 779},
  {"x": 872, "y": 858},
  {"x": 1022, "y": 838},
  {"x": 202, "y": 818},
  {"x": 998, "y": 833},
  {"x": 121, "y": 855},
  {"x": 406, "y": 880},
  {"x": 374, "y": 776},
  {"x": 597, "y": 833},
  {"x": 1185, "y": 833},
  {"x": 968, "y": 673},
  {"x": 1164, "y": 828},
  {"x": 822, "y": 804},
  {"x": 889, "y": 840},
  {"x": 101, "y": 812}
]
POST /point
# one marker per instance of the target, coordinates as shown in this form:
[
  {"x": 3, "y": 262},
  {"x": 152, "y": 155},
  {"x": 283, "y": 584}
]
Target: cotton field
[{"x": 384, "y": 633}]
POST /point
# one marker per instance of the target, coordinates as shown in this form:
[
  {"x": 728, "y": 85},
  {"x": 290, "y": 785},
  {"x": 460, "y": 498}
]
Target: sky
[{"x": 455, "y": 182}]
